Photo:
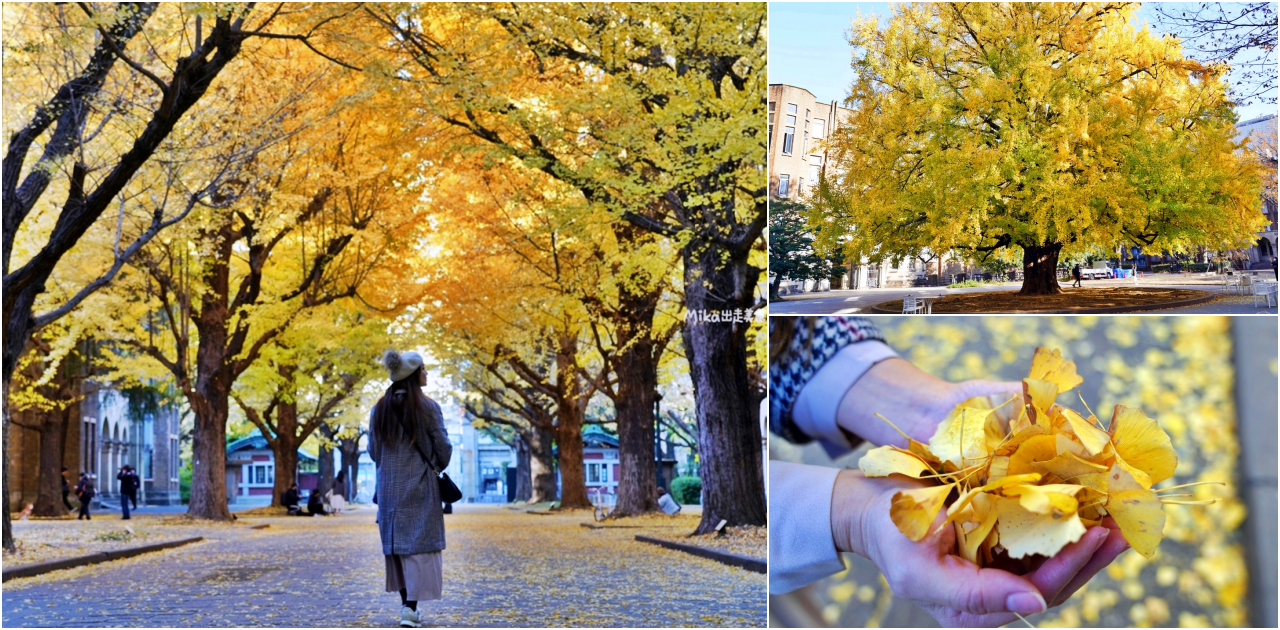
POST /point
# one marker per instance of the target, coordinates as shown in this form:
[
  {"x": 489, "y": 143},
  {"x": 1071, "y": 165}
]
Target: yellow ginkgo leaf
[
  {"x": 957, "y": 509},
  {"x": 913, "y": 511},
  {"x": 1039, "y": 394},
  {"x": 1093, "y": 438},
  {"x": 1020, "y": 436},
  {"x": 1142, "y": 444},
  {"x": 1136, "y": 509},
  {"x": 1050, "y": 498},
  {"x": 1037, "y": 449},
  {"x": 1093, "y": 481},
  {"x": 1048, "y": 365},
  {"x": 1064, "y": 443},
  {"x": 1023, "y": 532},
  {"x": 1140, "y": 476},
  {"x": 963, "y": 423},
  {"x": 998, "y": 468},
  {"x": 985, "y": 512},
  {"x": 1069, "y": 465},
  {"x": 887, "y": 460}
]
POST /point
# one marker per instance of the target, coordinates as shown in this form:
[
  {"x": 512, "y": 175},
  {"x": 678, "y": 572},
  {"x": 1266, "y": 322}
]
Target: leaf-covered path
[{"x": 502, "y": 568}]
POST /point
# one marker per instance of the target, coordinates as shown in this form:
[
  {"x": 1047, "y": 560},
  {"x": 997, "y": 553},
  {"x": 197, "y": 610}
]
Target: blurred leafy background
[{"x": 1180, "y": 371}]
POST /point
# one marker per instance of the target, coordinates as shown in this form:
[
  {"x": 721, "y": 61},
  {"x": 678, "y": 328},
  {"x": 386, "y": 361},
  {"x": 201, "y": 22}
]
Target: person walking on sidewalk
[
  {"x": 1076, "y": 274},
  {"x": 408, "y": 444},
  {"x": 85, "y": 492},
  {"x": 128, "y": 489},
  {"x": 66, "y": 489}
]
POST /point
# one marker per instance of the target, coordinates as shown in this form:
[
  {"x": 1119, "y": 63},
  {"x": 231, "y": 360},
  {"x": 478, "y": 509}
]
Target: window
[
  {"x": 788, "y": 139},
  {"x": 804, "y": 146},
  {"x": 173, "y": 459},
  {"x": 791, "y": 120},
  {"x": 813, "y": 173},
  {"x": 784, "y": 182},
  {"x": 819, "y": 126},
  {"x": 806, "y": 114},
  {"x": 597, "y": 473},
  {"x": 791, "y": 108},
  {"x": 771, "y": 118},
  {"x": 800, "y": 187},
  {"x": 806, "y": 125},
  {"x": 773, "y": 105},
  {"x": 769, "y": 139}
]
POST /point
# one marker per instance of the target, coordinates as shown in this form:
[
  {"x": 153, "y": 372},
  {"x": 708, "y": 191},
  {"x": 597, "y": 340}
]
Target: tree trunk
[
  {"x": 636, "y": 367},
  {"x": 325, "y": 482},
  {"x": 773, "y": 288},
  {"x": 541, "y": 466},
  {"x": 350, "y": 449},
  {"x": 4, "y": 474},
  {"x": 729, "y": 440},
  {"x": 637, "y": 385},
  {"x": 52, "y": 431},
  {"x": 573, "y": 479},
  {"x": 1040, "y": 269},
  {"x": 524, "y": 480},
  {"x": 287, "y": 442},
  {"x": 209, "y": 452}
]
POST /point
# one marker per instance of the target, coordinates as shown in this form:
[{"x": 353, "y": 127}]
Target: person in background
[
  {"x": 667, "y": 503},
  {"x": 315, "y": 504},
  {"x": 85, "y": 491},
  {"x": 1075, "y": 273},
  {"x": 128, "y": 489},
  {"x": 290, "y": 499},
  {"x": 66, "y": 489}
]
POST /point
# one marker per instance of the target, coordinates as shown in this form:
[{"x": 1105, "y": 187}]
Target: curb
[
  {"x": 1207, "y": 297},
  {"x": 724, "y": 557},
  {"x": 594, "y": 526},
  {"x": 40, "y": 568}
]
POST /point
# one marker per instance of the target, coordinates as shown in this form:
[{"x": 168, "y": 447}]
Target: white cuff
[
  {"x": 815, "y": 409},
  {"x": 801, "y": 550}
]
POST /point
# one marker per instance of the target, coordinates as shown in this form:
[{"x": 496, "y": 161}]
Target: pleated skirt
[{"x": 420, "y": 575}]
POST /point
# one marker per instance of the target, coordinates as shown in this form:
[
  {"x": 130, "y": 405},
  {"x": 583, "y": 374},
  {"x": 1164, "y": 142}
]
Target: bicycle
[{"x": 600, "y": 509}]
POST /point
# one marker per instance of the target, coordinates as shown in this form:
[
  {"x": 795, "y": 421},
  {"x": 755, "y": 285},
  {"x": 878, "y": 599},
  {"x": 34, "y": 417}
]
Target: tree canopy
[{"x": 1047, "y": 127}]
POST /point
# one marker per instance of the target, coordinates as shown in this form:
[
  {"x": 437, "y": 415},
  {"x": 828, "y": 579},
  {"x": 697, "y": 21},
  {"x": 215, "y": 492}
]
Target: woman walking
[{"x": 408, "y": 443}]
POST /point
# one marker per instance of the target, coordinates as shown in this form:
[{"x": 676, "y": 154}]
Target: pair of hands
[{"x": 955, "y": 591}]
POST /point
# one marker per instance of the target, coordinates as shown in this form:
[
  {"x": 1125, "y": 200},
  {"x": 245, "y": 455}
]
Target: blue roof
[{"x": 255, "y": 440}]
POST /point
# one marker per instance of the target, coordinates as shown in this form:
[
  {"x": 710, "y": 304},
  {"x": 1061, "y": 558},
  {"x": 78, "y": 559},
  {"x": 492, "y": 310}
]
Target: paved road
[
  {"x": 860, "y": 301},
  {"x": 502, "y": 568}
]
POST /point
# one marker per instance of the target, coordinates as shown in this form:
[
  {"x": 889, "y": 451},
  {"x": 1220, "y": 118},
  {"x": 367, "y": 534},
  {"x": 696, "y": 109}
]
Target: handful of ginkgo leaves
[{"x": 1033, "y": 483}]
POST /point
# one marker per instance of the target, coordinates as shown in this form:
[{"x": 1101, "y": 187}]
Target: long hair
[
  {"x": 781, "y": 331},
  {"x": 397, "y": 412}
]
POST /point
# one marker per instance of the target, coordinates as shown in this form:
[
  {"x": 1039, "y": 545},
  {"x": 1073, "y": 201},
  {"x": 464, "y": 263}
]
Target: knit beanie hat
[{"x": 401, "y": 364}]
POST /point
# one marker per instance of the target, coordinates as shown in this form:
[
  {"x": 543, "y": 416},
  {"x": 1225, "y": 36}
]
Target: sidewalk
[
  {"x": 860, "y": 301},
  {"x": 501, "y": 568}
]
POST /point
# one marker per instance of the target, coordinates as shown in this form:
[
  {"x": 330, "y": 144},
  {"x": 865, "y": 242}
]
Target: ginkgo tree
[
  {"x": 1048, "y": 127},
  {"x": 303, "y": 382},
  {"x": 652, "y": 112},
  {"x": 322, "y": 219},
  {"x": 92, "y": 95}
]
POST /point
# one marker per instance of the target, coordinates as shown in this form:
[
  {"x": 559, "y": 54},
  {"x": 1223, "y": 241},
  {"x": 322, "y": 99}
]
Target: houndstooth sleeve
[{"x": 824, "y": 337}]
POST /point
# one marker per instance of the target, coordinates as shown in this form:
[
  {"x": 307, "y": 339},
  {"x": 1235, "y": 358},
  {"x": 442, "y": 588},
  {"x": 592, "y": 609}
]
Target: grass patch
[
  {"x": 118, "y": 535},
  {"x": 966, "y": 284}
]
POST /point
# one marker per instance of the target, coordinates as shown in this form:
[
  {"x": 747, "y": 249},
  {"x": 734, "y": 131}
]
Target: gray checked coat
[{"x": 410, "y": 517}]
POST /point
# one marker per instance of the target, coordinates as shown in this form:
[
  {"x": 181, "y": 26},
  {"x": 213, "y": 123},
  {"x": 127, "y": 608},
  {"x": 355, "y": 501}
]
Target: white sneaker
[{"x": 409, "y": 618}]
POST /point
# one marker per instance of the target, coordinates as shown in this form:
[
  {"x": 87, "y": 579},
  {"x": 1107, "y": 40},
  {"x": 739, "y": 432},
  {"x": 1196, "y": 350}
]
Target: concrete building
[
  {"x": 798, "y": 124},
  {"x": 1264, "y": 248},
  {"x": 102, "y": 435}
]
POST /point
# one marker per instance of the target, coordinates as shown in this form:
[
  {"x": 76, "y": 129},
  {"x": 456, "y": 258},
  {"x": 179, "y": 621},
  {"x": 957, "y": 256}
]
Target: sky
[{"x": 807, "y": 46}]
